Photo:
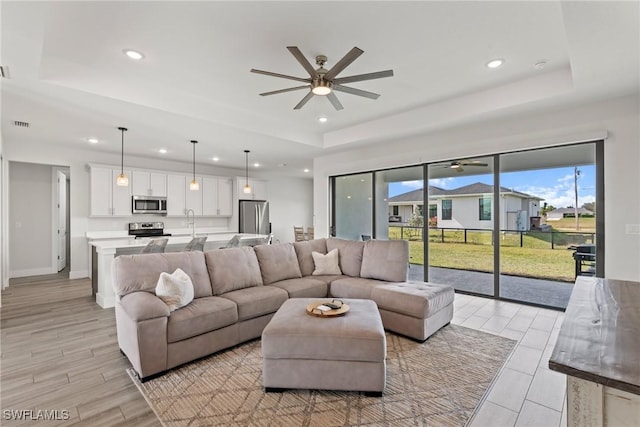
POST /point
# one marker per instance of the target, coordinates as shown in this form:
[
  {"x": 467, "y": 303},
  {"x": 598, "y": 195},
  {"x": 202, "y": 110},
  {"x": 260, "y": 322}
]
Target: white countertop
[
  {"x": 124, "y": 234},
  {"x": 213, "y": 240}
]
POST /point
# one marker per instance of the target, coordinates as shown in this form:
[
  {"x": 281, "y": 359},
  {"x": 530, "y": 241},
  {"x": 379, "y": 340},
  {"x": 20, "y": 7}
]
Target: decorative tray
[{"x": 316, "y": 309}]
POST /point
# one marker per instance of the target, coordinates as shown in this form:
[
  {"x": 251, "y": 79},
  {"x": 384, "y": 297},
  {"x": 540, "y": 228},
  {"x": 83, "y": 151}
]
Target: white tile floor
[{"x": 526, "y": 392}]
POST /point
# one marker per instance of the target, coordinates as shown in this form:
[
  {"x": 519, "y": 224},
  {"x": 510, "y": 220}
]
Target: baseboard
[
  {"x": 78, "y": 274},
  {"x": 105, "y": 302},
  {"x": 32, "y": 272}
]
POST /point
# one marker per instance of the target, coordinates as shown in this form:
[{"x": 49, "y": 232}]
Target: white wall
[
  {"x": 617, "y": 118},
  {"x": 290, "y": 204},
  {"x": 30, "y": 212}
]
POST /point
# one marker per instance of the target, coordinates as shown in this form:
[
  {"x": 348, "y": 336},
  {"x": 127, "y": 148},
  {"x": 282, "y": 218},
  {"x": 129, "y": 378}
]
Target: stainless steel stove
[{"x": 147, "y": 229}]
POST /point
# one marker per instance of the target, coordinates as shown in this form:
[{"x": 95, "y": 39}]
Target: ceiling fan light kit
[{"x": 323, "y": 82}]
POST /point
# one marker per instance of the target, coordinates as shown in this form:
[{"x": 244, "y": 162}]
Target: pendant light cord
[{"x": 122, "y": 130}]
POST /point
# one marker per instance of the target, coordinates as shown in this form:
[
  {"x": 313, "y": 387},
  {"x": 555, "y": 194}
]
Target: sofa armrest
[{"x": 143, "y": 306}]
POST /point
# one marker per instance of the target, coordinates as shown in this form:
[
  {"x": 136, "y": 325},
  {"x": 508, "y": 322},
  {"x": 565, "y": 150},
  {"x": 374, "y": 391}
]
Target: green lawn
[{"x": 535, "y": 259}]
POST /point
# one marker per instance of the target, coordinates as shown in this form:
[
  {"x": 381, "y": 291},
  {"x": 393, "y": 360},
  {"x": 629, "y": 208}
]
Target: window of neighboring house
[
  {"x": 485, "y": 208},
  {"x": 433, "y": 211},
  {"x": 446, "y": 208},
  {"x": 395, "y": 210}
]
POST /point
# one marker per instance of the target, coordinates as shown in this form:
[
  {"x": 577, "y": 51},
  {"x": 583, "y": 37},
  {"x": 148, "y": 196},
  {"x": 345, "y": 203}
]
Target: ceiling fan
[
  {"x": 458, "y": 166},
  {"x": 324, "y": 82}
]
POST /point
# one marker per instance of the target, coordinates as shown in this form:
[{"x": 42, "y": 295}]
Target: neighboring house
[
  {"x": 558, "y": 214},
  {"x": 470, "y": 206}
]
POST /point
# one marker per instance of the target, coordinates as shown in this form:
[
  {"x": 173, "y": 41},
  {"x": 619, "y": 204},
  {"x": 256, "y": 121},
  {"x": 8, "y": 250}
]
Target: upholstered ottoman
[
  {"x": 301, "y": 351},
  {"x": 414, "y": 309}
]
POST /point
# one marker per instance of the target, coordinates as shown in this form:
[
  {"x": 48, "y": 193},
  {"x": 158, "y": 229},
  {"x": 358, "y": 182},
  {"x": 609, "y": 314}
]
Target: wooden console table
[{"x": 599, "y": 350}]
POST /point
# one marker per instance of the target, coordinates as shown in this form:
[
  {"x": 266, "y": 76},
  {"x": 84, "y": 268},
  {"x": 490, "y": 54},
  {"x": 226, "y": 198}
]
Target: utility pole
[{"x": 576, "y": 172}]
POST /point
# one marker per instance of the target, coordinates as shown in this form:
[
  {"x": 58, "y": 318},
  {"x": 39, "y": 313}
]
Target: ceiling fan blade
[
  {"x": 306, "y": 99},
  {"x": 282, "y": 76},
  {"x": 334, "y": 101},
  {"x": 354, "y": 91},
  {"x": 361, "y": 77},
  {"x": 284, "y": 90},
  {"x": 473, "y": 164},
  {"x": 351, "y": 56},
  {"x": 303, "y": 61}
]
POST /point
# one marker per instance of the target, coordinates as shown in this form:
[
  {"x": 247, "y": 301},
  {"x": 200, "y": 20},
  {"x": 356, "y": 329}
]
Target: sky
[{"x": 555, "y": 185}]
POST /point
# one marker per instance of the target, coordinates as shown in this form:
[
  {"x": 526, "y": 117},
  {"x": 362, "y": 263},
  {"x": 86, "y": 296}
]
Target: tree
[
  {"x": 416, "y": 220},
  {"x": 547, "y": 208},
  {"x": 590, "y": 206}
]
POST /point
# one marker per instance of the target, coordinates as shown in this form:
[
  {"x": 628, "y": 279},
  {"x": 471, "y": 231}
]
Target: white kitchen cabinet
[
  {"x": 176, "y": 195},
  {"x": 217, "y": 196},
  {"x": 149, "y": 184},
  {"x": 258, "y": 189},
  {"x": 107, "y": 198}
]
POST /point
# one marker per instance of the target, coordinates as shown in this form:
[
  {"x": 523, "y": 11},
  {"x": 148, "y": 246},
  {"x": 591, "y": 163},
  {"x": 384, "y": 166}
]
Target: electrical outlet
[{"x": 632, "y": 228}]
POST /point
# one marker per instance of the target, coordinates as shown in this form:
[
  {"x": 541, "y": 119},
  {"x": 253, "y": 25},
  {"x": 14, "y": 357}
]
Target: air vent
[
  {"x": 21, "y": 124},
  {"x": 4, "y": 71}
]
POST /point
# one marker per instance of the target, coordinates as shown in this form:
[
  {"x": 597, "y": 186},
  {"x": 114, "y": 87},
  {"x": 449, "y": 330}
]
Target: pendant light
[
  {"x": 122, "y": 179},
  {"x": 194, "y": 186},
  {"x": 247, "y": 188}
]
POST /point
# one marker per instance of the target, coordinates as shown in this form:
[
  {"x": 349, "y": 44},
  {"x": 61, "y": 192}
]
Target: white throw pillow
[
  {"x": 326, "y": 264},
  {"x": 176, "y": 290}
]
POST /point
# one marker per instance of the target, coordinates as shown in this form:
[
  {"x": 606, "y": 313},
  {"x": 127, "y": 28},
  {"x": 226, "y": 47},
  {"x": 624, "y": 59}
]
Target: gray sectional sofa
[{"x": 238, "y": 290}]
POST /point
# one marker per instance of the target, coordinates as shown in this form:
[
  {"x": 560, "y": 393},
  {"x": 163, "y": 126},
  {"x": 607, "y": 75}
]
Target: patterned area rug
[{"x": 436, "y": 383}]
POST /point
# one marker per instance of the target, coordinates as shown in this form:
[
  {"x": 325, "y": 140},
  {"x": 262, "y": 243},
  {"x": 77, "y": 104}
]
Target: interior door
[{"x": 62, "y": 220}]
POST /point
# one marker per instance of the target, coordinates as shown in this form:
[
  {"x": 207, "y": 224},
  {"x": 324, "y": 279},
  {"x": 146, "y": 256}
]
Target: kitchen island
[
  {"x": 106, "y": 247},
  {"x": 598, "y": 349}
]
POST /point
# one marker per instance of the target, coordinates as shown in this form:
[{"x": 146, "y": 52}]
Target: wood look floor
[{"x": 59, "y": 352}]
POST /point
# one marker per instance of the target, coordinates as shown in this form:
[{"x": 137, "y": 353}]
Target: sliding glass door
[
  {"x": 461, "y": 230},
  {"x": 518, "y": 226},
  {"x": 548, "y": 226},
  {"x": 353, "y": 206}
]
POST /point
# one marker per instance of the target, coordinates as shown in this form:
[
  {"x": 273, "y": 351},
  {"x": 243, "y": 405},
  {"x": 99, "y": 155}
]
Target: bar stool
[
  {"x": 155, "y": 246},
  {"x": 310, "y": 233},
  {"x": 298, "y": 233},
  {"x": 196, "y": 244},
  {"x": 234, "y": 242}
]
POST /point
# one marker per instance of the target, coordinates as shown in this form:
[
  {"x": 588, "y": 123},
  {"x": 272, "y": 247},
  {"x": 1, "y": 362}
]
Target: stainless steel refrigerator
[{"x": 254, "y": 217}]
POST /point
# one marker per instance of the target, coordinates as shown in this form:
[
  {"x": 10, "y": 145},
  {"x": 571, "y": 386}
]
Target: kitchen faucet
[{"x": 192, "y": 223}]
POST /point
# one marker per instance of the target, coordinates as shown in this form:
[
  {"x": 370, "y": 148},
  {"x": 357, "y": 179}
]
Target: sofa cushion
[
  {"x": 304, "y": 251},
  {"x": 232, "y": 269},
  {"x": 175, "y": 289},
  {"x": 257, "y": 301},
  {"x": 350, "y": 252},
  {"x": 326, "y": 263},
  {"x": 140, "y": 272},
  {"x": 304, "y": 287},
  {"x": 353, "y": 287},
  {"x": 385, "y": 260},
  {"x": 277, "y": 262},
  {"x": 201, "y": 316}
]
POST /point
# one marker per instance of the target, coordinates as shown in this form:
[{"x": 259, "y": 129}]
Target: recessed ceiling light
[
  {"x": 256, "y": 165},
  {"x": 93, "y": 140},
  {"x": 215, "y": 159},
  {"x": 306, "y": 171},
  {"x": 323, "y": 119},
  {"x": 133, "y": 54},
  {"x": 162, "y": 151},
  {"x": 495, "y": 63}
]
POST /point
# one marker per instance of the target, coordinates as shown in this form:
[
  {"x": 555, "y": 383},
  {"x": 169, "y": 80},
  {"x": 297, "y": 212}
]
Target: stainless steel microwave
[{"x": 149, "y": 205}]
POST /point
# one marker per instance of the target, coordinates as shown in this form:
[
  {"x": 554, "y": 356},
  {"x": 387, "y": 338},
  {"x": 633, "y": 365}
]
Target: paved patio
[{"x": 537, "y": 291}]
